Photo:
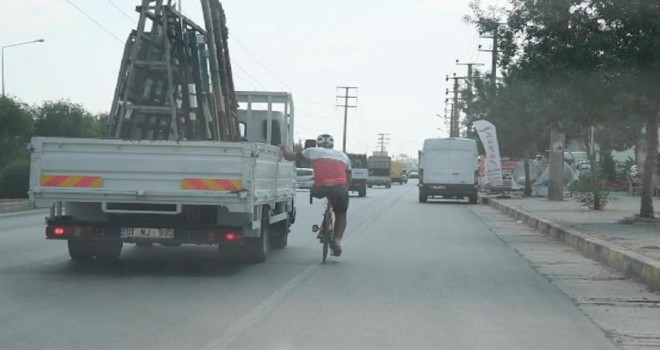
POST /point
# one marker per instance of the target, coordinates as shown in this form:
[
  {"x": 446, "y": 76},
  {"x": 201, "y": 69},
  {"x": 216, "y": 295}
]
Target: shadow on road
[{"x": 156, "y": 261}]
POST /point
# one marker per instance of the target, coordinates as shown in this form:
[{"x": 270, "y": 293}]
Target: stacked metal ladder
[{"x": 165, "y": 89}]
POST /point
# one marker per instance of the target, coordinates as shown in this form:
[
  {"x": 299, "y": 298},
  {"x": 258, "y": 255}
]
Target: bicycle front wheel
[{"x": 325, "y": 250}]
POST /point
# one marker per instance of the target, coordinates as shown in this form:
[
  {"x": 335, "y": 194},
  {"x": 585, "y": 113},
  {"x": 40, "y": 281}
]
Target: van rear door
[
  {"x": 436, "y": 166},
  {"x": 463, "y": 163}
]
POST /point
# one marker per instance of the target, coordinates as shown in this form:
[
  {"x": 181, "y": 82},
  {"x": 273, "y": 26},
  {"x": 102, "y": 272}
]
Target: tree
[
  {"x": 15, "y": 132},
  {"x": 577, "y": 60},
  {"x": 66, "y": 119}
]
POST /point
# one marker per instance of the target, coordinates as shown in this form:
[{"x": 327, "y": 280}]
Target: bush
[
  {"x": 592, "y": 194},
  {"x": 15, "y": 179}
]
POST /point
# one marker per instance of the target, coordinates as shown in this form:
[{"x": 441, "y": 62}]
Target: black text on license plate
[{"x": 152, "y": 233}]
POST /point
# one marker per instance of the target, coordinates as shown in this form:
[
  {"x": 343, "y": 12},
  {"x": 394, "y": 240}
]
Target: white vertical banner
[{"x": 493, "y": 163}]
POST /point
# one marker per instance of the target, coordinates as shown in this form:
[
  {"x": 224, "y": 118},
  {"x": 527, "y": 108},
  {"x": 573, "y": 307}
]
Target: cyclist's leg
[{"x": 339, "y": 199}]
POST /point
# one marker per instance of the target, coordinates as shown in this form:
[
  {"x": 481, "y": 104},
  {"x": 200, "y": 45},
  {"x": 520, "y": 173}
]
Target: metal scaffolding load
[{"x": 175, "y": 80}]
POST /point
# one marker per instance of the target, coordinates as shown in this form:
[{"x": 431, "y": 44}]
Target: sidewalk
[{"x": 632, "y": 248}]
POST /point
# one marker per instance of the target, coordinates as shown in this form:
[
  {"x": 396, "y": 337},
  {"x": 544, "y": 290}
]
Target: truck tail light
[
  {"x": 68, "y": 231},
  {"x": 214, "y": 236}
]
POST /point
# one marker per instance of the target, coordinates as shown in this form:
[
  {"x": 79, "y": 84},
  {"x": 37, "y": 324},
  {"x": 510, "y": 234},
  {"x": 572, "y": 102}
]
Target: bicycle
[{"x": 326, "y": 233}]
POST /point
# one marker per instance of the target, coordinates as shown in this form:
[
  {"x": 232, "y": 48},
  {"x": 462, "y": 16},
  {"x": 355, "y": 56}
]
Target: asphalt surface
[{"x": 413, "y": 276}]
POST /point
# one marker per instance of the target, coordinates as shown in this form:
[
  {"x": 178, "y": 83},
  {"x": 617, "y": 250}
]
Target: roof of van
[{"x": 450, "y": 143}]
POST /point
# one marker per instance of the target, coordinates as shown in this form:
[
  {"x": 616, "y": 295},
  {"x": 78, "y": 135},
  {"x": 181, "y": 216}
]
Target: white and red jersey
[{"x": 330, "y": 166}]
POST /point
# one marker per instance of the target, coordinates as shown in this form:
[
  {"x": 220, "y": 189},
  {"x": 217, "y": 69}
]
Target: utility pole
[
  {"x": 493, "y": 63},
  {"x": 383, "y": 139},
  {"x": 454, "y": 129},
  {"x": 469, "y": 77},
  {"x": 346, "y": 106}
]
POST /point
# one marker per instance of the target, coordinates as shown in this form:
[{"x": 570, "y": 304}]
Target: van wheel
[
  {"x": 422, "y": 197},
  {"x": 362, "y": 192},
  {"x": 473, "y": 199}
]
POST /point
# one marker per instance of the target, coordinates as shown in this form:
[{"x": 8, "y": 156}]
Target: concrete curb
[
  {"x": 632, "y": 264},
  {"x": 11, "y": 207}
]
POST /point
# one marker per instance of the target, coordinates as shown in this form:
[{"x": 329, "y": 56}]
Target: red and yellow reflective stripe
[
  {"x": 211, "y": 184},
  {"x": 71, "y": 181}
]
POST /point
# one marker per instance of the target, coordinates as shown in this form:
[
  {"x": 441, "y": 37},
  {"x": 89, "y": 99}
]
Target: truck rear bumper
[
  {"x": 357, "y": 184},
  {"x": 63, "y": 229}
]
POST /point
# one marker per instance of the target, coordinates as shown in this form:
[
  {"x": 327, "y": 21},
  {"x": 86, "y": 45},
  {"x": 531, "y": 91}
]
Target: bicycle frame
[{"x": 326, "y": 230}]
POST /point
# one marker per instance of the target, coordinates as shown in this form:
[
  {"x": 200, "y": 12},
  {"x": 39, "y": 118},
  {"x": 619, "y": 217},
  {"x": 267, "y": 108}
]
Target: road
[{"x": 413, "y": 276}]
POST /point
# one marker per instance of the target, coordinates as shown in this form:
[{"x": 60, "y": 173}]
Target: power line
[
  {"x": 249, "y": 76},
  {"x": 271, "y": 72},
  {"x": 121, "y": 11},
  {"x": 95, "y": 22}
]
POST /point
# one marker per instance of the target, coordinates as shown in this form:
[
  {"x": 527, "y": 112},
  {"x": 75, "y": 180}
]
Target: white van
[{"x": 449, "y": 167}]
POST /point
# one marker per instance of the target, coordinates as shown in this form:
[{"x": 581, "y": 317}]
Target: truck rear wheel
[
  {"x": 473, "y": 199},
  {"x": 422, "y": 197},
  {"x": 362, "y": 192},
  {"x": 80, "y": 250},
  {"x": 107, "y": 250},
  {"x": 256, "y": 249},
  {"x": 279, "y": 237}
]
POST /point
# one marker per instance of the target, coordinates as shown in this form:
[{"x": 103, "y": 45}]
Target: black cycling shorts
[{"x": 337, "y": 195}]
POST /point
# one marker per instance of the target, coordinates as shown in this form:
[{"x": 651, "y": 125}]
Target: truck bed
[{"x": 238, "y": 175}]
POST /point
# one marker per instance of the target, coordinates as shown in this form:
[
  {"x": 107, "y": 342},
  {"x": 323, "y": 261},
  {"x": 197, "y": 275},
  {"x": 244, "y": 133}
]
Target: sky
[{"x": 397, "y": 52}]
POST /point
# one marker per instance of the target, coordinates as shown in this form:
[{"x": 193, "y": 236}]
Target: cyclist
[{"x": 332, "y": 174}]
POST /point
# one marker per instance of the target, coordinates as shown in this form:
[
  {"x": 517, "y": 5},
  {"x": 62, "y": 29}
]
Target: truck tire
[
  {"x": 279, "y": 234},
  {"x": 422, "y": 197},
  {"x": 229, "y": 254},
  {"x": 107, "y": 250},
  {"x": 388, "y": 186},
  {"x": 256, "y": 249},
  {"x": 362, "y": 192},
  {"x": 473, "y": 199},
  {"x": 80, "y": 250}
]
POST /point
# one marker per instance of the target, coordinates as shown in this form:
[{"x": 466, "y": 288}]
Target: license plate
[
  {"x": 438, "y": 187},
  {"x": 153, "y": 233}
]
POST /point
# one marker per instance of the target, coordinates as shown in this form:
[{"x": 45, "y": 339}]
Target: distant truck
[
  {"x": 449, "y": 168},
  {"x": 359, "y": 174},
  {"x": 397, "y": 173},
  {"x": 380, "y": 165}
]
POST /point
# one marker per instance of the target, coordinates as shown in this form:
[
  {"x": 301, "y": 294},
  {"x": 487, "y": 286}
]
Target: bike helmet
[{"x": 325, "y": 141}]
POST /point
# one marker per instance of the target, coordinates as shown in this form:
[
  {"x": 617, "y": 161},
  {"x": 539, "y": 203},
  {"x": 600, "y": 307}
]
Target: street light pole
[{"x": 3, "y": 58}]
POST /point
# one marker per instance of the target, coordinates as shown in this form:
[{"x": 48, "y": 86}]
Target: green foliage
[
  {"x": 590, "y": 193},
  {"x": 66, "y": 119},
  {"x": 15, "y": 131},
  {"x": 14, "y": 178}
]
